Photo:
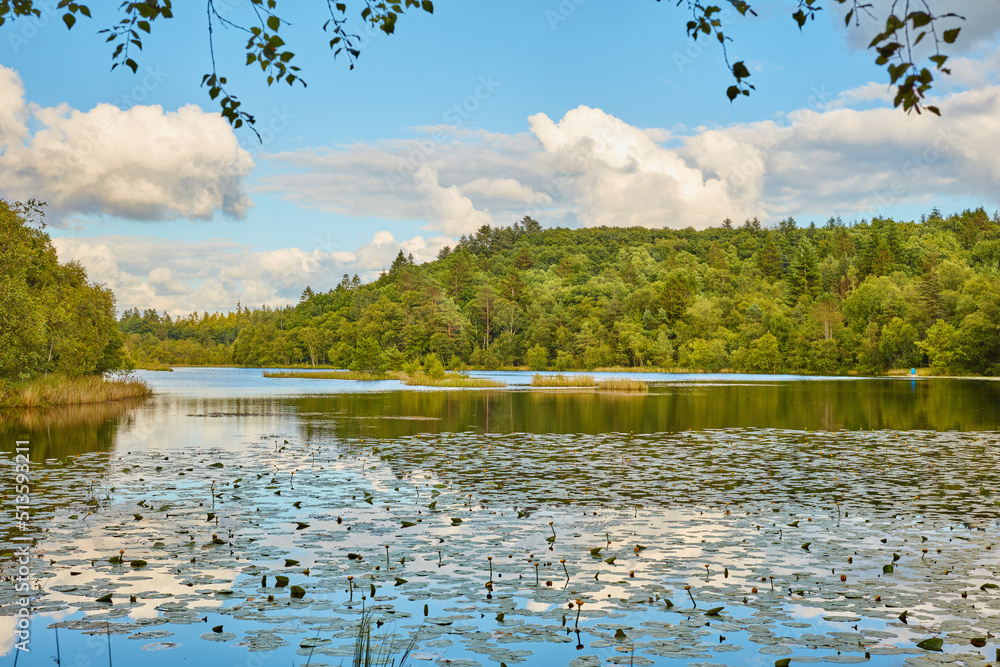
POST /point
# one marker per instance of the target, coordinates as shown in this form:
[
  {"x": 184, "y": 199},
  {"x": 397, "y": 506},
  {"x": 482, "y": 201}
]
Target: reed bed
[
  {"x": 623, "y": 384},
  {"x": 450, "y": 380},
  {"x": 53, "y": 390},
  {"x": 539, "y": 380},
  {"x": 335, "y": 375}
]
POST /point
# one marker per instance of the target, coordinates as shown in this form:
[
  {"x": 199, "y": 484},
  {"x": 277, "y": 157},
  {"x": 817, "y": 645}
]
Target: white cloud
[
  {"x": 141, "y": 163},
  {"x": 851, "y": 154},
  {"x": 865, "y": 162},
  {"x": 449, "y": 211},
  {"x": 505, "y": 189},
  {"x": 620, "y": 176},
  {"x": 181, "y": 277}
]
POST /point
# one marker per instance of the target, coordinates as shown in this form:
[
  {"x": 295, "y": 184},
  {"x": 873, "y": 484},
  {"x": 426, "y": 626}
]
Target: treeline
[
  {"x": 835, "y": 298},
  {"x": 52, "y": 320}
]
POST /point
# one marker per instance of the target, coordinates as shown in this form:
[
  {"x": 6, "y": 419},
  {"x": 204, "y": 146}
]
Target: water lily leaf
[
  {"x": 407, "y": 524},
  {"x": 782, "y": 662},
  {"x": 299, "y": 525},
  {"x": 455, "y": 521},
  {"x": 138, "y": 562},
  {"x": 400, "y": 581},
  {"x": 806, "y": 546},
  {"x": 105, "y": 598},
  {"x": 888, "y": 569},
  {"x": 931, "y": 644},
  {"x": 714, "y": 611},
  {"x": 280, "y": 581},
  {"x": 297, "y": 591},
  {"x": 289, "y": 562}
]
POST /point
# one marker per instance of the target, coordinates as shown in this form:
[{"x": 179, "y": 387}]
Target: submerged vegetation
[{"x": 540, "y": 548}]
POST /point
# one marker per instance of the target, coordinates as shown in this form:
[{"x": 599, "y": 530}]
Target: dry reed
[
  {"x": 539, "y": 380},
  {"x": 623, "y": 384},
  {"x": 54, "y": 390}
]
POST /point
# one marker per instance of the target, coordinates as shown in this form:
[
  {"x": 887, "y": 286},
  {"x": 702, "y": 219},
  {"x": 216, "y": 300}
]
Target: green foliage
[
  {"x": 854, "y": 298},
  {"x": 51, "y": 319},
  {"x": 538, "y": 358}
]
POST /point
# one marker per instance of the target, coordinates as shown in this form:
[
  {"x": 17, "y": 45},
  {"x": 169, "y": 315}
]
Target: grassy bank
[
  {"x": 49, "y": 391},
  {"x": 450, "y": 380},
  {"x": 335, "y": 375},
  {"x": 539, "y": 380},
  {"x": 588, "y": 382}
]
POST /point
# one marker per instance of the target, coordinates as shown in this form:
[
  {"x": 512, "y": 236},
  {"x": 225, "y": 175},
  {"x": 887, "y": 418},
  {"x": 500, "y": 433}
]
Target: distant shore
[{"x": 897, "y": 373}]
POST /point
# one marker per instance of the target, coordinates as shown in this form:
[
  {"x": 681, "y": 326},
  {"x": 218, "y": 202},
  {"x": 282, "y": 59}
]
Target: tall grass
[
  {"x": 586, "y": 381},
  {"x": 335, "y": 375},
  {"x": 381, "y": 653},
  {"x": 622, "y": 384},
  {"x": 450, "y": 380},
  {"x": 538, "y": 380},
  {"x": 55, "y": 390}
]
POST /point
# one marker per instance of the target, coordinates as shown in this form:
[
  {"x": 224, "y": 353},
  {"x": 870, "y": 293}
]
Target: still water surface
[{"x": 736, "y": 473}]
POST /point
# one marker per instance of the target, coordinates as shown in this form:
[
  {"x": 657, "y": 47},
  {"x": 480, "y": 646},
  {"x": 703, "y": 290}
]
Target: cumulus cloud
[
  {"x": 141, "y": 163},
  {"x": 849, "y": 154},
  {"x": 411, "y": 179},
  {"x": 621, "y": 176},
  {"x": 450, "y": 211},
  {"x": 865, "y": 162},
  {"x": 505, "y": 189},
  {"x": 181, "y": 277}
]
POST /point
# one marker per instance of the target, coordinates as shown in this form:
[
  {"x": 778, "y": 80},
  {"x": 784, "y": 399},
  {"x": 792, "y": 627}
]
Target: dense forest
[
  {"x": 52, "y": 320},
  {"x": 835, "y": 298}
]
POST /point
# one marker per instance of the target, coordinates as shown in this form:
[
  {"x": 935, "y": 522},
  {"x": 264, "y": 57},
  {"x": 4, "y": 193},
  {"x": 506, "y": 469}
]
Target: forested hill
[{"x": 830, "y": 299}]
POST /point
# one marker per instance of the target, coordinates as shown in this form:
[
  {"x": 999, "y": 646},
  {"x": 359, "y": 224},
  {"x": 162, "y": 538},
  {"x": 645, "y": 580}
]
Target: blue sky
[{"x": 579, "y": 112}]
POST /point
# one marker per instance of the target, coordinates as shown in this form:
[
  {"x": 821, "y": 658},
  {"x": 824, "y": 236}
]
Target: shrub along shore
[{"x": 49, "y": 391}]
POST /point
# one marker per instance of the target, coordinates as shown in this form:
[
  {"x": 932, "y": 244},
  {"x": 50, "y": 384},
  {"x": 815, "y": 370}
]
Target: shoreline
[{"x": 893, "y": 374}]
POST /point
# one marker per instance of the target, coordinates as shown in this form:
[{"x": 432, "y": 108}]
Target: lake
[{"x": 716, "y": 520}]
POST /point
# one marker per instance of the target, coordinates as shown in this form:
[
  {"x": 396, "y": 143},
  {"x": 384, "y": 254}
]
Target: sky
[{"x": 578, "y": 113}]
